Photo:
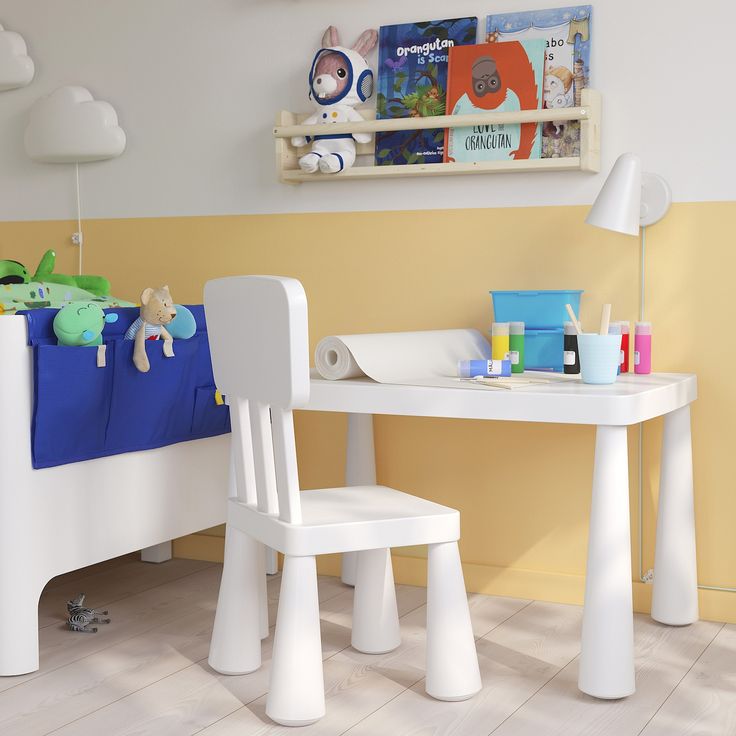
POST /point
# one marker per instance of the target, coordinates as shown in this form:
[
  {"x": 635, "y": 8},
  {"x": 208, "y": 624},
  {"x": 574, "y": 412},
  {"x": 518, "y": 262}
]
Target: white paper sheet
[{"x": 413, "y": 358}]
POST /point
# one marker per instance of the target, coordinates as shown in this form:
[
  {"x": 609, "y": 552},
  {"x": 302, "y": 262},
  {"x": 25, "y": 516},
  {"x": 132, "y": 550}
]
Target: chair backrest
[{"x": 258, "y": 334}]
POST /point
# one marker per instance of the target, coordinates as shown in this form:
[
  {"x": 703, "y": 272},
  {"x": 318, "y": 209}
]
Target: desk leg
[
  {"x": 607, "y": 647},
  {"x": 360, "y": 470},
  {"x": 675, "y": 593}
]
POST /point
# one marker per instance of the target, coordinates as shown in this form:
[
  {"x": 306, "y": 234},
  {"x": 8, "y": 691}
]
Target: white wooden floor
[{"x": 147, "y": 673}]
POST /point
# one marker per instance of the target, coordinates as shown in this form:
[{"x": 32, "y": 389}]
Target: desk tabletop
[{"x": 565, "y": 399}]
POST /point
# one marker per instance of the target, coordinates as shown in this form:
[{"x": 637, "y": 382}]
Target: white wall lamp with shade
[{"x": 629, "y": 201}]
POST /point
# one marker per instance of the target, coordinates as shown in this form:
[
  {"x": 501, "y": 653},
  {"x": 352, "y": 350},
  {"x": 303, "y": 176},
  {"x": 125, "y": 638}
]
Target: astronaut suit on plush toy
[{"x": 339, "y": 79}]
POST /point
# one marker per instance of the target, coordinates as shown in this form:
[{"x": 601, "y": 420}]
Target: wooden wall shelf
[{"x": 288, "y": 125}]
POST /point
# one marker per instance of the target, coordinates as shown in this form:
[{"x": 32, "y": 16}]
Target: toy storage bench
[{"x": 57, "y": 519}]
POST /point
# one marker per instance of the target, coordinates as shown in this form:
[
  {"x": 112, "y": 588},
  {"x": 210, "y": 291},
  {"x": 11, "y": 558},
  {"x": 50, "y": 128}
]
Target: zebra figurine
[{"x": 80, "y": 617}]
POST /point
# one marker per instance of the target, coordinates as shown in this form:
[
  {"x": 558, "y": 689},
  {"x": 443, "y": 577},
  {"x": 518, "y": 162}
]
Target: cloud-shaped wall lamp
[
  {"x": 16, "y": 67},
  {"x": 70, "y": 126}
]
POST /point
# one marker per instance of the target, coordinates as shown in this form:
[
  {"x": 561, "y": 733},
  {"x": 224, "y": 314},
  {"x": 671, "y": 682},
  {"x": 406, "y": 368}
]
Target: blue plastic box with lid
[{"x": 544, "y": 315}]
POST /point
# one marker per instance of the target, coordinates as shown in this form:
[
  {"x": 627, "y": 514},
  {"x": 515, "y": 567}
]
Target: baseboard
[
  {"x": 556, "y": 587},
  {"x": 199, "y": 547}
]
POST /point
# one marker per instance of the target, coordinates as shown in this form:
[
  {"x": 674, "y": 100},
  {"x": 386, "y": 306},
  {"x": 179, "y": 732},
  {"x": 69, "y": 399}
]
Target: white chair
[{"x": 258, "y": 336}]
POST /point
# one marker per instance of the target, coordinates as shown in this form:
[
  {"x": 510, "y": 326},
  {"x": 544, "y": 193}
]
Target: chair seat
[{"x": 349, "y": 520}]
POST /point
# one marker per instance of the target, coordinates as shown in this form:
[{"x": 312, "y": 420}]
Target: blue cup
[{"x": 599, "y": 357}]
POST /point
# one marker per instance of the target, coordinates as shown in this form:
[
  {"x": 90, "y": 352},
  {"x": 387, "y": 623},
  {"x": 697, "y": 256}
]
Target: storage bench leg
[
  {"x": 157, "y": 553},
  {"x": 18, "y": 627}
]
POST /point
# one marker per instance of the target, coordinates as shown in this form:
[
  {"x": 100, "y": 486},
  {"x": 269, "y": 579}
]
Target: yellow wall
[{"x": 523, "y": 490}]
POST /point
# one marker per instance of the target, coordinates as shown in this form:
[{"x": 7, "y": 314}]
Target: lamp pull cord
[{"x": 79, "y": 237}]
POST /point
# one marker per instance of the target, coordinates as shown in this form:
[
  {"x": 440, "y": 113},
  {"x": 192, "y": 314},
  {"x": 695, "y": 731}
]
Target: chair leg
[
  {"x": 375, "y": 615},
  {"x": 452, "y": 661},
  {"x": 263, "y": 591},
  {"x": 296, "y": 694},
  {"x": 235, "y": 648}
]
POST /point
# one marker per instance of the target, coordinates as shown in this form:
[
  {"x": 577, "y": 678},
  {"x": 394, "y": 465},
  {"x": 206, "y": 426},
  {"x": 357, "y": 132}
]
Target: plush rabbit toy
[{"x": 339, "y": 79}]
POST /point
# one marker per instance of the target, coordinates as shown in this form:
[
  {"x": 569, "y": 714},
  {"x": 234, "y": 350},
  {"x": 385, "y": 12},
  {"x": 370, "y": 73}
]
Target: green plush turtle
[
  {"x": 97, "y": 285},
  {"x": 12, "y": 272},
  {"x": 81, "y": 323}
]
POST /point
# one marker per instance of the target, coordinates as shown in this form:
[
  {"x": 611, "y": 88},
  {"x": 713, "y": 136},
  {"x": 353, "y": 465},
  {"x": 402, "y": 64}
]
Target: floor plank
[
  {"x": 181, "y": 695},
  {"x": 146, "y": 673},
  {"x": 56, "y": 697},
  {"x": 357, "y": 684},
  {"x": 131, "y": 616},
  {"x": 516, "y": 658},
  {"x": 663, "y": 654},
  {"x": 106, "y": 586},
  {"x": 704, "y": 702}
]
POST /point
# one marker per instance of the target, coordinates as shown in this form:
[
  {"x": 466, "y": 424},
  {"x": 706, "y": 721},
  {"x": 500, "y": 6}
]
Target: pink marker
[{"x": 643, "y": 347}]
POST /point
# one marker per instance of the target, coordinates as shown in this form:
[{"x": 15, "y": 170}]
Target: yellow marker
[
  {"x": 500, "y": 341},
  {"x": 218, "y": 398}
]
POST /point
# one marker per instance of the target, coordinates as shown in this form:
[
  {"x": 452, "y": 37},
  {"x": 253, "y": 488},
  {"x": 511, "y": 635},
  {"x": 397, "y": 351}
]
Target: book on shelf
[
  {"x": 566, "y": 33},
  {"x": 494, "y": 77},
  {"x": 411, "y": 81}
]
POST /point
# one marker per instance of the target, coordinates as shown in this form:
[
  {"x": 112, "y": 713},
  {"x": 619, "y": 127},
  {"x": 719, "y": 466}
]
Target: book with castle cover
[
  {"x": 411, "y": 81},
  {"x": 500, "y": 77},
  {"x": 566, "y": 32}
]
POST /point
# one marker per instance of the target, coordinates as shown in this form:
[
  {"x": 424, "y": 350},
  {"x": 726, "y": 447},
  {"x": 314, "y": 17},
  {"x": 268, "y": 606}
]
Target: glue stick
[
  {"x": 516, "y": 346},
  {"x": 500, "y": 341},
  {"x": 487, "y": 368}
]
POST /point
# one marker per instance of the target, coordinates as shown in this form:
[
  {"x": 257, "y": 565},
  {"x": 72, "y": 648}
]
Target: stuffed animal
[
  {"x": 339, "y": 79},
  {"x": 183, "y": 326},
  {"x": 157, "y": 310},
  {"x": 81, "y": 617},
  {"x": 12, "y": 272},
  {"x": 81, "y": 323},
  {"x": 97, "y": 285}
]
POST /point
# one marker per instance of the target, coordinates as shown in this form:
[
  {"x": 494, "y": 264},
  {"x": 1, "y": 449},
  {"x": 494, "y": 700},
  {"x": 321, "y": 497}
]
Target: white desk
[{"x": 607, "y": 652}]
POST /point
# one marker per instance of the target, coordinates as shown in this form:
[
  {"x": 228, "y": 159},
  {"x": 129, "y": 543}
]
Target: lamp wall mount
[{"x": 656, "y": 198}]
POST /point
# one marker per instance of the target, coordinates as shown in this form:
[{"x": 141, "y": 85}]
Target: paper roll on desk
[{"x": 415, "y": 358}]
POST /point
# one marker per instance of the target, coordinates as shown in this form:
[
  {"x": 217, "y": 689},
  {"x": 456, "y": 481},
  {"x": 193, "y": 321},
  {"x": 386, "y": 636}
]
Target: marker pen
[
  {"x": 625, "y": 347},
  {"x": 615, "y": 329},
  {"x": 643, "y": 347},
  {"x": 500, "y": 341},
  {"x": 516, "y": 346}
]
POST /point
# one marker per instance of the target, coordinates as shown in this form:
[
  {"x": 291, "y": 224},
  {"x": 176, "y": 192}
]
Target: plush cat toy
[
  {"x": 157, "y": 310},
  {"x": 339, "y": 79}
]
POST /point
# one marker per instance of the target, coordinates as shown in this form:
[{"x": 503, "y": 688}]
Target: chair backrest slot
[
  {"x": 241, "y": 450},
  {"x": 265, "y": 471},
  {"x": 287, "y": 474}
]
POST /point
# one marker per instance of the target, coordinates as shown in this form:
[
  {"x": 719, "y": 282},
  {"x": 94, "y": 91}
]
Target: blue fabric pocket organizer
[
  {"x": 72, "y": 404},
  {"x": 83, "y": 412},
  {"x": 209, "y": 417}
]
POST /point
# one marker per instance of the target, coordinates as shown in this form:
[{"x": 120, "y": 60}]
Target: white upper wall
[{"x": 196, "y": 84}]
